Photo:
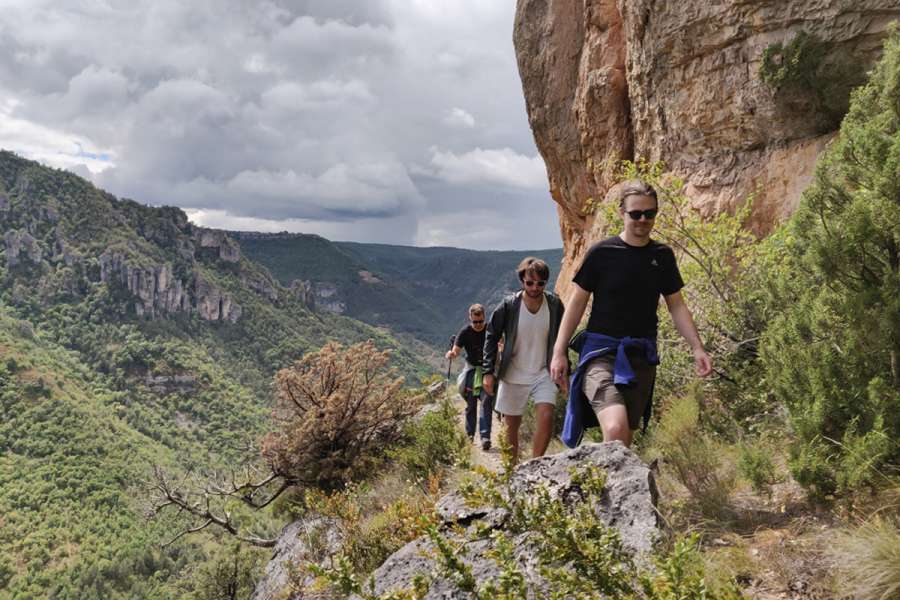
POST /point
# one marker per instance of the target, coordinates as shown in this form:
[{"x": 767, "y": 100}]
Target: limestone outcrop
[
  {"x": 297, "y": 542},
  {"x": 628, "y": 504},
  {"x": 606, "y": 80},
  {"x": 228, "y": 250},
  {"x": 19, "y": 245},
  {"x": 157, "y": 291}
]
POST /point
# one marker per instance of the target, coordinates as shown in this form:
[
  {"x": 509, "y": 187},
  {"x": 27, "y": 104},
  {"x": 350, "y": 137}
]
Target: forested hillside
[
  {"x": 128, "y": 337},
  {"x": 424, "y": 292}
]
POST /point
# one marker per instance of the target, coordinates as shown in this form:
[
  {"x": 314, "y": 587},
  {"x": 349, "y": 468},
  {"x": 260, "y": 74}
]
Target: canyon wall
[{"x": 606, "y": 80}]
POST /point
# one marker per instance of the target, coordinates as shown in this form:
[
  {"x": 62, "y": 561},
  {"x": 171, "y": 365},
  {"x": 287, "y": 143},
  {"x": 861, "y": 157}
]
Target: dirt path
[{"x": 486, "y": 458}]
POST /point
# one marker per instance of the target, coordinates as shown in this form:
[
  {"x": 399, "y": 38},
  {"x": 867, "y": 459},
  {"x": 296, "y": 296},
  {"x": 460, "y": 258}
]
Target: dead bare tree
[{"x": 336, "y": 411}]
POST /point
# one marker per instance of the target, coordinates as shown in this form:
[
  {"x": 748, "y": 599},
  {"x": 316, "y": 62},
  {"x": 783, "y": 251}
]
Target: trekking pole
[{"x": 450, "y": 362}]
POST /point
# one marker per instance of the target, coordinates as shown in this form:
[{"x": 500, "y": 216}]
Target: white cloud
[
  {"x": 458, "y": 117},
  {"x": 503, "y": 166},
  {"x": 57, "y": 148}
]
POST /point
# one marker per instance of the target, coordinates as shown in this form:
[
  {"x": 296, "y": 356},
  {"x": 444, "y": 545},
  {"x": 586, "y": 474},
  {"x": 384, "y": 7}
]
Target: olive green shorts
[{"x": 601, "y": 392}]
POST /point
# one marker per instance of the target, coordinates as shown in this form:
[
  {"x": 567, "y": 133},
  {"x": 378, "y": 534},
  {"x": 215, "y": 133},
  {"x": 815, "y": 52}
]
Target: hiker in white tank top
[{"x": 528, "y": 324}]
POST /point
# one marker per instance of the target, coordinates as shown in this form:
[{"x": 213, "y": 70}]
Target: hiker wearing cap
[
  {"x": 527, "y": 323},
  {"x": 626, "y": 274},
  {"x": 471, "y": 338}
]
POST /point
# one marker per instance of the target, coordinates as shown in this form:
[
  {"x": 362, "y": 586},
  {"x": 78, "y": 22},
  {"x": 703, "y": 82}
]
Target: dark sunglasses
[
  {"x": 534, "y": 283},
  {"x": 477, "y": 321},
  {"x": 648, "y": 214}
]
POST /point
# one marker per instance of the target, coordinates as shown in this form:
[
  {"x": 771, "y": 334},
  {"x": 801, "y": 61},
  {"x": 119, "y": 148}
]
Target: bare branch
[{"x": 199, "y": 504}]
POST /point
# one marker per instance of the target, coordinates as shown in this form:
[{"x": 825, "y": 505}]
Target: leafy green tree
[{"x": 832, "y": 353}]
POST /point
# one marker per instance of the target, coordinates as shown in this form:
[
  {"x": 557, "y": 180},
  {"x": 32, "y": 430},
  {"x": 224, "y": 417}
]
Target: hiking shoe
[{"x": 486, "y": 445}]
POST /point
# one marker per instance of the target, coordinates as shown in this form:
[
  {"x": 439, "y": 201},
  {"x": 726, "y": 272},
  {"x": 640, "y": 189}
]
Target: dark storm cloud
[{"x": 335, "y": 116}]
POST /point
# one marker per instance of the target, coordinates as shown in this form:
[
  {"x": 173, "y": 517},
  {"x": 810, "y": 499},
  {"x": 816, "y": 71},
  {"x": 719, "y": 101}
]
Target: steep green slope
[
  {"x": 70, "y": 527},
  {"x": 128, "y": 337},
  {"x": 423, "y": 292},
  {"x": 450, "y": 279}
]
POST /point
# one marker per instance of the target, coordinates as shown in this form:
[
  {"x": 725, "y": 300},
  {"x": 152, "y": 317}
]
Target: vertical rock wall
[{"x": 611, "y": 79}]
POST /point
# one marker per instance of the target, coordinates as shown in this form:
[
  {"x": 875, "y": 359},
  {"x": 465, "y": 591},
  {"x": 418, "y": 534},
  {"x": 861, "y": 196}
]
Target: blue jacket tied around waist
[{"x": 590, "y": 346}]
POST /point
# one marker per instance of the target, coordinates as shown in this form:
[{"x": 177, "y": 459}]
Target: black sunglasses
[
  {"x": 534, "y": 283},
  {"x": 477, "y": 321},
  {"x": 648, "y": 214}
]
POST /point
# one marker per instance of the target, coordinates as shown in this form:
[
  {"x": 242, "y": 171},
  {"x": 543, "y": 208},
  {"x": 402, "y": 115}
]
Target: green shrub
[
  {"x": 368, "y": 534},
  {"x": 831, "y": 355},
  {"x": 432, "y": 442},
  {"x": 811, "y": 67},
  {"x": 693, "y": 456},
  {"x": 679, "y": 575},
  {"x": 756, "y": 465},
  {"x": 231, "y": 573},
  {"x": 794, "y": 63}
]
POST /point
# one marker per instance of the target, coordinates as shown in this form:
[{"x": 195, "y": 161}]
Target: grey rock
[
  {"x": 21, "y": 244},
  {"x": 304, "y": 292},
  {"x": 328, "y": 298},
  {"x": 166, "y": 384},
  {"x": 311, "y": 539},
  {"x": 157, "y": 291},
  {"x": 261, "y": 284},
  {"x": 4, "y": 202},
  {"x": 229, "y": 250},
  {"x": 212, "y": 304},
  {"x": 50, "y": 213},
  {"x": 628, "y": 504},
  {"x": 436, "y": 389}
]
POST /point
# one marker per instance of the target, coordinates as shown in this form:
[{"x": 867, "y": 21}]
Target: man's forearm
[
  {"x": 571, "y": 319},
  {"x": 566, "y": 329},
  {"x": 684, "y": 323}
]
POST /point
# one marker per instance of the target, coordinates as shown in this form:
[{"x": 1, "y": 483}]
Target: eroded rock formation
[
  {"x": 628, "y": 504},
  {"x": 606, "y": 80},
  {"x": 19, "y": 245}
]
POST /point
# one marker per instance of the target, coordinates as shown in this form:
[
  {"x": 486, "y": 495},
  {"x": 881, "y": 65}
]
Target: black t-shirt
[
  {"x": 626, "y": 282},
  {"x": 473, "y": 342}
]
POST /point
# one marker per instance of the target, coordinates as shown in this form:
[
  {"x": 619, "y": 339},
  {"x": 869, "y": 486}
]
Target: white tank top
[{"x": 529, "y": 359}]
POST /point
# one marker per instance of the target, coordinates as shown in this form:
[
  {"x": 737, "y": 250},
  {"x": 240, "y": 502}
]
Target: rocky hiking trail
[
  {"x": 489, "y": 459},
  {"x": 774, "y": 546}
]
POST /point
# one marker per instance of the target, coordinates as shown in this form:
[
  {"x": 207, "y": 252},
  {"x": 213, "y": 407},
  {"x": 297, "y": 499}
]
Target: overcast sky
[{"x": 396, "y": 121}]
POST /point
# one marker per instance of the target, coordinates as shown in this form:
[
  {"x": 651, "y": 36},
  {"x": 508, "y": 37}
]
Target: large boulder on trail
[{"x": 628, "y": 504}]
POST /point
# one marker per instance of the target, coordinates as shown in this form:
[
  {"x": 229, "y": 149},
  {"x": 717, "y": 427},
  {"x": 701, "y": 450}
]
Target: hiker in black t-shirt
[
  {"x": 626, "y": 274},
  {"x": 471, "y": 338}
]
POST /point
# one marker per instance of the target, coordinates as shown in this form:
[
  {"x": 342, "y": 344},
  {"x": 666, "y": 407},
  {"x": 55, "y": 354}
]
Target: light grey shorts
[
  {"x": 601, "y": 392},
  {"x": 513, "y": 397}
]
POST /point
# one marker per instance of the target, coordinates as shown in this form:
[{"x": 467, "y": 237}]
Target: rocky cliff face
[
  {"x": 58, "y": 234},
  {"x": 606, "y": 80}
]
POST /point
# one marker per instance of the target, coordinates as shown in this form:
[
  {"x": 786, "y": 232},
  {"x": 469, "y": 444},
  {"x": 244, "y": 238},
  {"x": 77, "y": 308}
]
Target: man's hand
[
  {"x": 702, "y": 362},
  {"x": 559, "y": 371},
  {"x": 487, "y": 382},
  {"x": 450, "y": 354}
]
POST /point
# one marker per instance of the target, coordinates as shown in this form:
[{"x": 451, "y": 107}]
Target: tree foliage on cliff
[
  {"x": 832, "y": 354},
  {"x": 807, "y": 72}
]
